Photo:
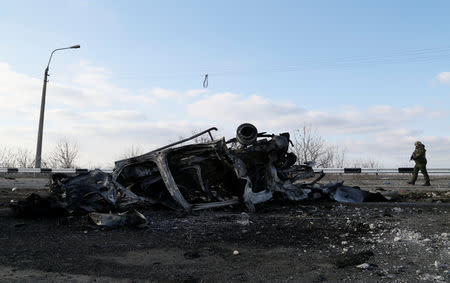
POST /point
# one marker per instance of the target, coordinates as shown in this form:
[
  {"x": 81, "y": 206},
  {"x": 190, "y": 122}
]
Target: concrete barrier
[{"x": 402, "y": 170}]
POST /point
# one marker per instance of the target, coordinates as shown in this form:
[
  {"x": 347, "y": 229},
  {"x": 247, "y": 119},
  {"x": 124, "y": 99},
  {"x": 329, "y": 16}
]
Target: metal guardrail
[
  {"x": 401, "y": 170},
  {"x": 48, "y": 170}
]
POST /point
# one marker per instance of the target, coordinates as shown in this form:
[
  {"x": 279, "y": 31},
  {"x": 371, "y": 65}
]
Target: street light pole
[{"x": 41, "y": 117}]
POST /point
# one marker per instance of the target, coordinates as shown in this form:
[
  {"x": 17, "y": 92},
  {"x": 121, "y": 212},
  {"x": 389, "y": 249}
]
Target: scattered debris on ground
[
  {"x": 311, "y": 241},
  {"x": 277, "y": 221},
  {"x": 249, "y": 169}
]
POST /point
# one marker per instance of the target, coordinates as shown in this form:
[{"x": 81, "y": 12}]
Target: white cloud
[
  {"x": 237, "y": 108},
  {"x": 381, "y": 131},
  {"x": 18, "y": 91},
  {"x": 118, "y": 115},
  {"x": 232, "y": 107},
  {"x": 93, "y": 76},
  {"x": 381, "y": 109},
  {"x": 106, "y": 119},
  {"x": 444, "y": 77},
  {"x": 436, "y": 114},
  {"x": 140, "y": 99},
  {"x": 108, "y": 116},
  {"x": 411, "y": 111},
  {"x": 163, "y": 93},
  {"x": 195, "y": 92}
]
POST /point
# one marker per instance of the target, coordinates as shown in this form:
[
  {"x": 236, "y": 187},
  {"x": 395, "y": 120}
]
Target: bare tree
[
  {"x": 337, "y": 156},
  {"x": 133, "y": 151},
  {"x": 309, "y": 146},
  {"x": 205, "y": 138},
  {"x": 64, "y": 154},
  {"x": 10, "y": 158},
  {"x": 99, "y": 165},
  {"x": 6, "y": 157},
  {"x": 23, "y": 158},
  {"x": 366, "y": 163},
  {"x": 333, "y": 156}
]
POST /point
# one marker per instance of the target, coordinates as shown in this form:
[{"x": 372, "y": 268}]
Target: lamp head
[{"x": 75, "y": 46}]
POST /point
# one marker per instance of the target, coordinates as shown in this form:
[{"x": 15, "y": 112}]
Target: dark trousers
[{"x": 423, "y": 168}]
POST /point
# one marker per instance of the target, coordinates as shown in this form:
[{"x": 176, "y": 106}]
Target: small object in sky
[{"x": 205, "y": 81}]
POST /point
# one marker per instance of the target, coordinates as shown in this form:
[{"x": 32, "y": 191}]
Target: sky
[{"x": 371, "y": 76}]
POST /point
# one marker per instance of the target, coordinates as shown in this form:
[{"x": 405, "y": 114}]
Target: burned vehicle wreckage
[{"x": 249, "y": 169}]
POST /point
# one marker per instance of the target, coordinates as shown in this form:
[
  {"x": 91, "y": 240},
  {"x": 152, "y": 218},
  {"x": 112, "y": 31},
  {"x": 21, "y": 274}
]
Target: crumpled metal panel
[
  {"x": 111, "y": 220},
  {"x": 92, "y": 191},
  {"x": 199, "y": 176},
  {"x": 345, "y": 194}
]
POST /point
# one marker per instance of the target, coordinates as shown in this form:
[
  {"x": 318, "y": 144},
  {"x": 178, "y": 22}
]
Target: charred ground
[{"x": 322, "y": 241}]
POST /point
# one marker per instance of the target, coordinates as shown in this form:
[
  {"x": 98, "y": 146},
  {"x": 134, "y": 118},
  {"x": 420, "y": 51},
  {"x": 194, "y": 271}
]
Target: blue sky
[{"x": 372, "y": 77}]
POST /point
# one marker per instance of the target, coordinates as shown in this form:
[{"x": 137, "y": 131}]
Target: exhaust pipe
[{"x": 246, "y": 134}]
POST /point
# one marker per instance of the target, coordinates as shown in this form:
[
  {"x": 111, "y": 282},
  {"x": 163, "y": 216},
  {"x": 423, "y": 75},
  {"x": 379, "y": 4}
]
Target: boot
[
  {"x": 427, "y": 183},
  {"x": 411, "y": 182}
]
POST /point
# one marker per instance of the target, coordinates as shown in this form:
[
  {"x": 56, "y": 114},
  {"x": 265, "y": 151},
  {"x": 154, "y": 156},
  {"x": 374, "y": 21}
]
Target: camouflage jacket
[{"x": 419, "y": 154}]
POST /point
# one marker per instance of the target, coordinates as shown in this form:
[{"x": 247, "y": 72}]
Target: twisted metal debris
[{"x": 249, "y": 169}]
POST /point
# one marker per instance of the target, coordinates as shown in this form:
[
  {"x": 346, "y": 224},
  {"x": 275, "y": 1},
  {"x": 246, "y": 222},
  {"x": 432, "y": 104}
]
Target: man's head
[{"x": 418, "y": 143}]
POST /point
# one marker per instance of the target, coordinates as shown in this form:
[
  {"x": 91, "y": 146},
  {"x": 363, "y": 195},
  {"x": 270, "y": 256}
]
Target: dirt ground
[{"x": 402, "y": 241}]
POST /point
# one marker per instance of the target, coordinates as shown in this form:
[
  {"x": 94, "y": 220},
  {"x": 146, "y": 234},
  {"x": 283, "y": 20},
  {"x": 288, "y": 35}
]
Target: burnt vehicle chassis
[
  {"x": 212, "y": 174},
  {"x": 249, "y": 169}
]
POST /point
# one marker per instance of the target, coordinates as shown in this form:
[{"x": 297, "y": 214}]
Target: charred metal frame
[{"x": 159, "y": 157}]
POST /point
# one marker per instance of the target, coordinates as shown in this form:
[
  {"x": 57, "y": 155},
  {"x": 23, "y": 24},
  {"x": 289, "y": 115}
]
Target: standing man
[{"x": 421, "y": 164}]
